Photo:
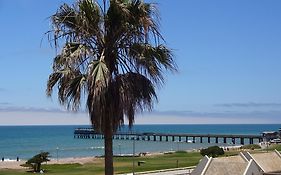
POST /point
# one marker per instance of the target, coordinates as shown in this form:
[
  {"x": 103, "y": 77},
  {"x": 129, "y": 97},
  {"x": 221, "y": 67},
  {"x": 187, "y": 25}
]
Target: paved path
[
  {"x": 177, "y": 172},
  {"x": 165, "y": 172}
]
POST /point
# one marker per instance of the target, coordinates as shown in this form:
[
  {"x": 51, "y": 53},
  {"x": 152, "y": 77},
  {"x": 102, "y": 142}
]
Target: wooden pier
[{"x": 87, "y": 133}]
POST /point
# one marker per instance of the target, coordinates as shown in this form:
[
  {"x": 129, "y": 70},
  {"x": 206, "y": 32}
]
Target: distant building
[
  {"x": 244, "y": 164},
  {"x": 270, "y": 135}
]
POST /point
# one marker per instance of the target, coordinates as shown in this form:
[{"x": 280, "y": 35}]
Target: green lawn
[
  {"x": 121, "y": 164},
  {"x": 275, "y": 146}
]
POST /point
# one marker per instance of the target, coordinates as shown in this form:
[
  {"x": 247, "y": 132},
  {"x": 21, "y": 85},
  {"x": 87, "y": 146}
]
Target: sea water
[{"x": 26, "y": 141}]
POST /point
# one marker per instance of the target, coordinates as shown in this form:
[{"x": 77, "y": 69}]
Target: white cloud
[
  {"x": 53, "y": 117},
  {"x": 207, "y": 119},
  {"x": 4, "y": 103},
  {"x": 6, "y": 107},
  {"x": 249, "y": 104},
  {"x": 43, "y": 118}
]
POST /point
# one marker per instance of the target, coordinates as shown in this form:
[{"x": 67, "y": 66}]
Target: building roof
[
  {"x": 269, "y": 132},
  {"x": 234, "y": 165},
  {"x": 268, "y": 162}
]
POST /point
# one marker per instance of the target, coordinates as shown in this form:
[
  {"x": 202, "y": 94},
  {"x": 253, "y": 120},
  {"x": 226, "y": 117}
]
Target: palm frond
[
  {"x": 136, "y": 93},
  {"x": 115, "y": 56},
  {"x": 89, "y": 18},
  {"x": 72, "y": 55},
  {"x": 78, "y": 23},
  {"x": 152, "y": 60},
  {"x": 74, "y": 91},
  {"x": 98, "y": 73},
  {"x": 52, "y": 81}
]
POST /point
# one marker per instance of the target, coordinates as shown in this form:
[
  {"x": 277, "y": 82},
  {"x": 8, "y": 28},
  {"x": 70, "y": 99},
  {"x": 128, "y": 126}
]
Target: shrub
[
  {"x": 180, "y": 152},
  {"x": 213, "y": 151},
  {"x": 251, "y": 146},
  {"x": 36, "y": 161}
]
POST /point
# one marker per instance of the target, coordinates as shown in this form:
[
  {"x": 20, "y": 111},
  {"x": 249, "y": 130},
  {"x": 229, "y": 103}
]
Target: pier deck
[{"x": 88, "y": 133}]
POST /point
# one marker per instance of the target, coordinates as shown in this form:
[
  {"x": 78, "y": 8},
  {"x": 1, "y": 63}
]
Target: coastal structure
[
  {"x": 243, "y": 164},
  {"x": 87, "y": 133},
  {"x": 271, "y": 136}
]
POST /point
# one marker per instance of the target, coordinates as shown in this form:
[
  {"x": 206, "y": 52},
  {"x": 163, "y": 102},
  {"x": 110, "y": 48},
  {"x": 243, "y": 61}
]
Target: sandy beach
[
  {"x": 16, "y": 164},
  {"x": 12, "y": 164}
]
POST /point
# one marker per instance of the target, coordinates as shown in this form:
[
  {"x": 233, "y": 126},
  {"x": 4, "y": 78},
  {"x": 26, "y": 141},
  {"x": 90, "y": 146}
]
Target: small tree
[
  {"x": 213, "y": 151},
  {"x": 36, "y": 161}
]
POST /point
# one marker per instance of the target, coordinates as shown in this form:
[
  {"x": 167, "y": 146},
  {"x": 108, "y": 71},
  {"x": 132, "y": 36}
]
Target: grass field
[
  {"x": 275, "y": 146},
  {"x": 121, "y": 164}
]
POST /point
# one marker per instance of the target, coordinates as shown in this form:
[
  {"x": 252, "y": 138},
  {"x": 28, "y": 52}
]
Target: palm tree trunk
[{"x": 108, "y": 149}]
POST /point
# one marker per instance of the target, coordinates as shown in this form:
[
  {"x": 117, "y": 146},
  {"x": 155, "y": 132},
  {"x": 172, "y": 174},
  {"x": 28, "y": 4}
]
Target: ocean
[{"x": 26, "y": 141}]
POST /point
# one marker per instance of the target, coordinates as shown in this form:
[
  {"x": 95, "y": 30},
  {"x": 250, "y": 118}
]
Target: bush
[
  {"x": 251, "y": 146},
  {"x": 180, "y": 152},
  {"x": 36, "y": 161},
  {"x": 213, "y": 151}
]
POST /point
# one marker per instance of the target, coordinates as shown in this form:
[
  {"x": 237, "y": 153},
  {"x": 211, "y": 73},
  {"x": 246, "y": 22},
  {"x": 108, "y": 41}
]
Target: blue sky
[{"x": 228, "y": 54}]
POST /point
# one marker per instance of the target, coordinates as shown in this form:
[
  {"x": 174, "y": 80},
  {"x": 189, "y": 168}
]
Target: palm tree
[{"x": 112, "y": 56}]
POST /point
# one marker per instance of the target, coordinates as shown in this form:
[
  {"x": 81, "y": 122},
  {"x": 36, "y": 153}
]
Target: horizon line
[{"x": 1, "y": 125}]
